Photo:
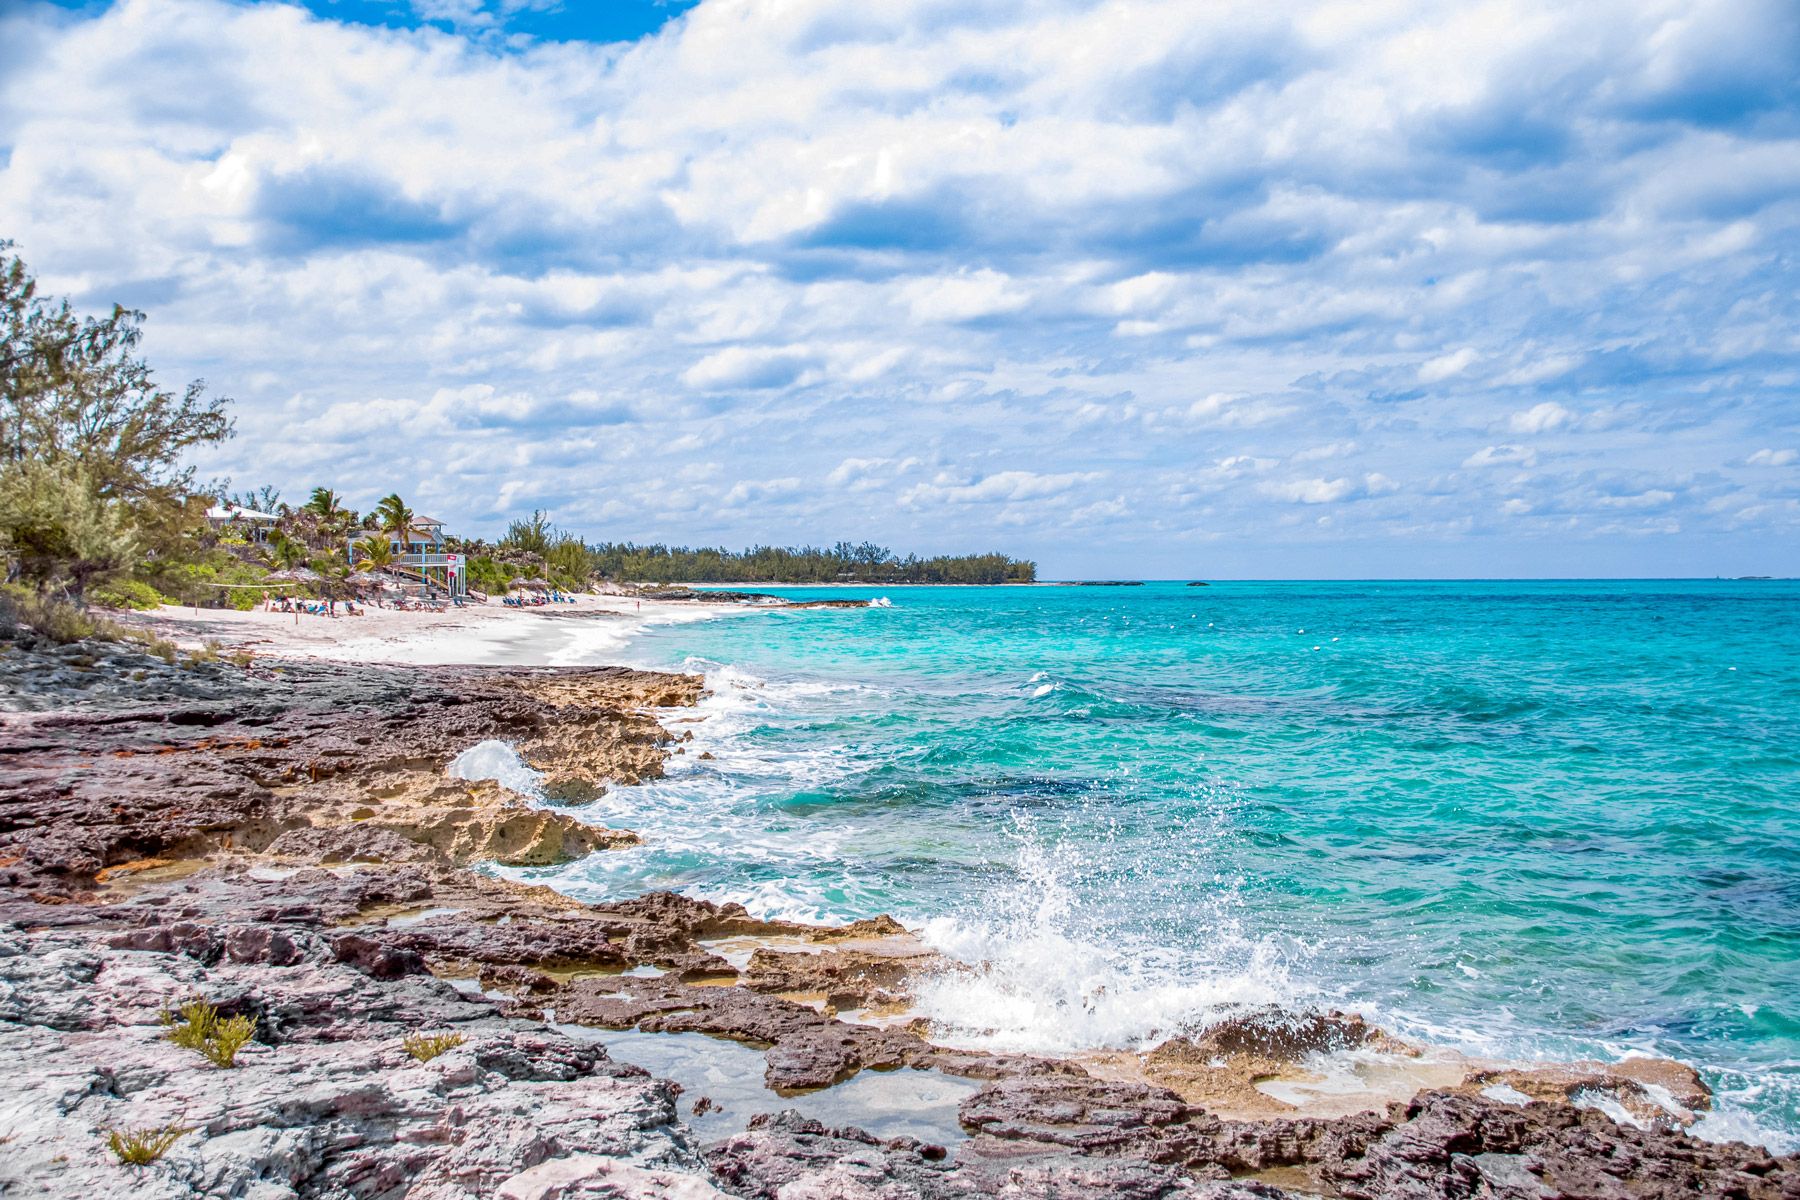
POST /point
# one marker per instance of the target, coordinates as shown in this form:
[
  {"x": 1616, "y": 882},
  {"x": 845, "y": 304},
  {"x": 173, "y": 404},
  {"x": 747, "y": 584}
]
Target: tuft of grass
[
  {"x": 141, "y": 1147},
  {"x": 161, "y": 647},
  {"x": 427, "y": 1046},
  {"x": 57, "y": 620},
  {"x": 214, "y": 651},
  {"x": 197, "y": 1026}
]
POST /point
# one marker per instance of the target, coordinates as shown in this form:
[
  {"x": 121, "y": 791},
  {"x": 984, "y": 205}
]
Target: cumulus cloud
[
  {"x": 1541, "y": 418},
  {"x": 1446, "y": 366},
  {"x": 1001, "y": 486},
  {"x": 745, "y": 367},
  {"x": 1020, "y": 267},
  {"x": 868, "y": 474},
  {"x": 1310, "y": 491},
  {"x": 1493, "y": 456}
]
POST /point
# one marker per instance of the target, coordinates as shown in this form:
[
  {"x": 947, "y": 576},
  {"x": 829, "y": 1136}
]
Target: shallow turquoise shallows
[{"x": 1544, "y": 819}]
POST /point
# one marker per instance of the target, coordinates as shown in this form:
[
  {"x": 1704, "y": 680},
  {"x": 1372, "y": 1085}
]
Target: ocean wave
[
  {"x": 1035, "y": 978},
  {"x": 497, "y": 760}
]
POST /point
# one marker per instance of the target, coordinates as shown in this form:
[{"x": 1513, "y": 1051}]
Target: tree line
[
  {"x": 97, "y": 501},
  {"x": 841, "y": 563}
]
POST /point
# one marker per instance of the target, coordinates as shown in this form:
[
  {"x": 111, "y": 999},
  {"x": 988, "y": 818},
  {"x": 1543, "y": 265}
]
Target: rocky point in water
[{"x": 283, "y": 842}]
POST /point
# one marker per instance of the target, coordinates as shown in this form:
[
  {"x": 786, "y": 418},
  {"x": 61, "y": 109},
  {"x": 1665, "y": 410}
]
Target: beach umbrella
[
  {"x": 517, "y": 582},
  {"x": 541, "y": 584}
]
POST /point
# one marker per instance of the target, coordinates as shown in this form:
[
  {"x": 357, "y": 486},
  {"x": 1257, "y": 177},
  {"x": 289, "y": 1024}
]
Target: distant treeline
[{"x": 842, "y": 563}]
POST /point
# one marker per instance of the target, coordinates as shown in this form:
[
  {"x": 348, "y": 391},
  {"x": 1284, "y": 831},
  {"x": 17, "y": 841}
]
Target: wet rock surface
[
  {"x": 284, "y": 842},
  {"x": 326, "y": 763}
]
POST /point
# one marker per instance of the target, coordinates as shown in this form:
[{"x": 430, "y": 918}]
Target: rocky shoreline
[{"x": 282, "y": 840}]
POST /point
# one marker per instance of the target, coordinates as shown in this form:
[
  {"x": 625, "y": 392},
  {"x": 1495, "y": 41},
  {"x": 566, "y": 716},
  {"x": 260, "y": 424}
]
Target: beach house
[
  {"x": 253, "y": 525},
  {"x": 421, "y": 561}
]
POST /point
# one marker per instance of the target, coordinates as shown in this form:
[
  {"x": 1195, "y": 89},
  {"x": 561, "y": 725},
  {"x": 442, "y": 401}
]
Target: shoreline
[
  {"x": 294, "y": 825},
  {"x": 476, "y": 634}
]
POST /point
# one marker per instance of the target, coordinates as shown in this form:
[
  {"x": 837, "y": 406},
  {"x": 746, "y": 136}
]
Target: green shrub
[
  {"x": 57, "y": 620},
  {"x": 141, "y": 1147},
  {"x": 427, "y": 1046},
  {"x": 126, "y": 593},
  {"x": 489, "y": 576},
  {"x": 197, "y": 1026}
]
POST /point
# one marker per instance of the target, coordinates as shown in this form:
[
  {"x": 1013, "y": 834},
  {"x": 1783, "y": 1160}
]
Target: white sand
[{"x": 589, "y": 631}]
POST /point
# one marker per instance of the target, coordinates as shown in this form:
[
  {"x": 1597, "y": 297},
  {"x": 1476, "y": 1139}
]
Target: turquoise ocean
[{"x": 1543, "y": 820}]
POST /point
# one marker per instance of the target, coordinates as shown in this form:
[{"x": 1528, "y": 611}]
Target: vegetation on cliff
[{"x": 91, "y": 449}]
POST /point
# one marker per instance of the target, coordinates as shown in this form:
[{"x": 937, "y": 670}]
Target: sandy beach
[{"x": 589, "y": 630}]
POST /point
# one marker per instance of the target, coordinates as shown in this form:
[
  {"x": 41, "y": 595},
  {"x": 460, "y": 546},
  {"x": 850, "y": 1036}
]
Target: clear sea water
[{"x": 1530, "y": 819}]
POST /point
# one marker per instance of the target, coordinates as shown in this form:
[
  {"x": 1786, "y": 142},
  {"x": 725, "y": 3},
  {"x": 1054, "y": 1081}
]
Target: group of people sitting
[
  {"x": 536, "y": 599},
  {"x": 317, "y": 608}
]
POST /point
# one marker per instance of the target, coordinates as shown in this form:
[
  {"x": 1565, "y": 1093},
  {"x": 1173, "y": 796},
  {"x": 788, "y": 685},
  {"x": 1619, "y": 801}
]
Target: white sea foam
[
  {"x": 710, "y": 815},
  {"x": 1738, "y": 1095},
  {"x": 1034, "y": 986},
  {"x": 1607, "y": 1103},
  {"x": 498, "y": 761},
  {"x": 1728, "y": 1122}
]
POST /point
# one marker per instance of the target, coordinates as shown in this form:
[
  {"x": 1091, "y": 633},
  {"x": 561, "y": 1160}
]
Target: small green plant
[
  {"x": 161, "y": 647},
  {"x": 141, "y": 1147},
  {"x": 427, "y": 1046},
  {"x": 214, "y": 651},
  {"x": 197, "y": 1026}
]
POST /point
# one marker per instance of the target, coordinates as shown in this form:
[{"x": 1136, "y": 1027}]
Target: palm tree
[
  {"x": 325, "y": 503},
  {"x": 395, "y": 519},
  {"x": 373, "y": 554},
  {"x": 285, "y": 552}
]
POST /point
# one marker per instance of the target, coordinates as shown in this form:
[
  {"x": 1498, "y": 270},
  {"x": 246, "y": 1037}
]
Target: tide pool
[{"x": 1525, "y": 819}]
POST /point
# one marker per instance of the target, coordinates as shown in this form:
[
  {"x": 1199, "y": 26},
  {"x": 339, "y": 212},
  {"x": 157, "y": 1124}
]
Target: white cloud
[
  {"x": 869, "y": 474},
  {"x": 1446, "y": 366},
  {"x": 749, "y": 491},
  {"x": 1541, "y": 418},
  {"x": 962, "y": 297},
  {"x": 1319, "y": 453},
  {"x": 1310, "y": 491},
  {"x": 1494, "y": 456},
  {"x": 1067, "y": 266},
  {"x": 745, "y": 367},
  {"x": 1000, "y": 486}
]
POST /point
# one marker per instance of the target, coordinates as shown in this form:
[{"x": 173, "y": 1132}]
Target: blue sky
[{"x": 1132, "y": 287}]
